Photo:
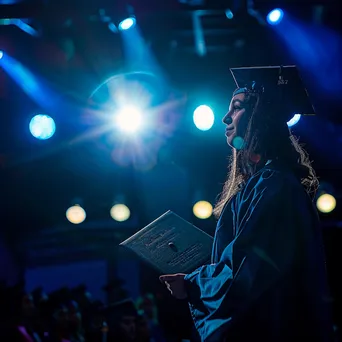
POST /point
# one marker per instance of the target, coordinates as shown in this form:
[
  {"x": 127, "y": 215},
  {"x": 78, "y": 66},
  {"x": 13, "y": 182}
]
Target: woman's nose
[{"x": 227, "y": 119}]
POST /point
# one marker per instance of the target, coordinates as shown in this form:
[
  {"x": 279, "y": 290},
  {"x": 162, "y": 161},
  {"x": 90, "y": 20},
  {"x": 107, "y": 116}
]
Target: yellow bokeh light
[
  {"x": 326, "y": 203},
  {"x": 76, "y": 214},
  {"x": 120, "y": 212},
  {"x": 202, "y": 209}
]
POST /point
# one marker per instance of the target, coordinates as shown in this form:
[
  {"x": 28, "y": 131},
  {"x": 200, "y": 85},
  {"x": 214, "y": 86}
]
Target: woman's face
[{"x": 234, "y": 120}]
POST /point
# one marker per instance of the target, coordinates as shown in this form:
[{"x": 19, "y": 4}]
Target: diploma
[{"x": 171, "y": 244}]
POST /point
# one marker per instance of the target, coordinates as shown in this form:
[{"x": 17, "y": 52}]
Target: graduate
[{"x": 267, "y": 280}]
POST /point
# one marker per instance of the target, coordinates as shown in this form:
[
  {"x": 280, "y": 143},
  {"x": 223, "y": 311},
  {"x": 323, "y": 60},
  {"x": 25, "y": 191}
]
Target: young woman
[{"x": 267, "y": 280}]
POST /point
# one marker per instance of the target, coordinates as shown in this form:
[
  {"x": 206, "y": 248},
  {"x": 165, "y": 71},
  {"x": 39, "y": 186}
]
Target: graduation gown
[{"x": 267, "y": 280}]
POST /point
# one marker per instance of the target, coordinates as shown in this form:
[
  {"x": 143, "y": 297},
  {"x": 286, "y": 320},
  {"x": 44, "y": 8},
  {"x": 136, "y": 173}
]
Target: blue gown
[{"x": 267, "y": 281}]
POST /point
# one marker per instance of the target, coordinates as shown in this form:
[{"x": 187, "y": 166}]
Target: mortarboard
[{"x": 281, "y": 88}]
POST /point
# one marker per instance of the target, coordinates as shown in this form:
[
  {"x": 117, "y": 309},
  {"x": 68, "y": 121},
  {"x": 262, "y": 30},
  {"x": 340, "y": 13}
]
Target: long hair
[{"x": 266, "y": 138}]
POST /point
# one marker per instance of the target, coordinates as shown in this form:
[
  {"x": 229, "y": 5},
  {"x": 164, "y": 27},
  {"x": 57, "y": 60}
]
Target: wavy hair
[{"x": 269, "y": 139}]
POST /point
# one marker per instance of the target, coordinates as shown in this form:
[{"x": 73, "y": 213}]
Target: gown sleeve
[{"x": 262, "y": 251}]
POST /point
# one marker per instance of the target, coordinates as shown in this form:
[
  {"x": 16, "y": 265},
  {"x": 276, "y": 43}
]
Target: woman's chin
[
  {"x": 230, "y": 139},
  {"x": 235, "y": 141}
]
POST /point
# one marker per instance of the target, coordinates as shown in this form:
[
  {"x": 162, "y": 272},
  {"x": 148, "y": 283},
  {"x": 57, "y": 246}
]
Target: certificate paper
[{"x": 171, "y": 245}]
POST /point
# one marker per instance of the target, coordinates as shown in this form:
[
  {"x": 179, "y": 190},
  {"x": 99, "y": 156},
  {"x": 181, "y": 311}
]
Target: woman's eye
[{"x": 236, "y": 109}]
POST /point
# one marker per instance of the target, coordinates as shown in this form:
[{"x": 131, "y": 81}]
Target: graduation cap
[{"x": 281, "y": 89}]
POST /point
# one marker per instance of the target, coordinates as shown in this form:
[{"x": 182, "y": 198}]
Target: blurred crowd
[{"x": 71, "y": 315}]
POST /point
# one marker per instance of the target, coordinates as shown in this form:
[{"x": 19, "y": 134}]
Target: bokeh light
[
  {"x": 326, "y": 203},
  {"x": 42, "y": 127},
  {"x": 203, "y": 117},
  {"x": 126, "y": 24},
  {"x": 129, "y": 119},
  {"x": 238, "y": 143},
  {"x": 202, "y": 209},
  {"x": 229, "y": 14},
  {"x": 76, "y": 214},
  {"x": 275, "y": 16},
  {"x": 120, "y": 212}
]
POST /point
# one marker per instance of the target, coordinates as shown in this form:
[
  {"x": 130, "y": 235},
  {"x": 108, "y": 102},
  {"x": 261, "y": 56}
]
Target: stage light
[
  {"x": 229, "y": 14},
  {"x": 203, "y": 118},
  {"x": 294, "y": 120},
  {"x": 202, "y": 210},
  {"x": 326, "y": 203},
  {"x": 76, "y": 214},
  {"x": 120, "y": 212},
  {"x": 275, "y": 16},
  {"x": 129, "y": 119},
  {"x": 1, "y": 54},
  {"x": 127, "y": 23},
  {"x": 42, "y": 127}
]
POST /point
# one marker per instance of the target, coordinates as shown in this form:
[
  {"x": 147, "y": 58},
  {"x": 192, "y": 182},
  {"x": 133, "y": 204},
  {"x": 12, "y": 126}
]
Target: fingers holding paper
[{"x": 175, "y": 283}]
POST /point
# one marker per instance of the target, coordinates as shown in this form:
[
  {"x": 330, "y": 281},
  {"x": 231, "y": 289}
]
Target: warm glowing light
[
  {"x": 76, "y": 214},
  {"x": 203, "y": 209},
  {"x": 326, "y": 203},
  {"x": 120, "y": 212}
]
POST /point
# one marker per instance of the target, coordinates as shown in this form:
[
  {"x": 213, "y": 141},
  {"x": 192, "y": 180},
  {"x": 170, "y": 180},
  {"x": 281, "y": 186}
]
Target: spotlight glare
[
  {"x": 202, "y": 210},
  {"x": 42, "y": 127},
  {"x": 275, "y": 16},
  {"x": 326, "y": 203},
  {"x": 203, "y": 117},
  {"x": 120, "y": 212},
  {"x": 1, "y": 54},
  {"x": 76, "y": 214},
  {"x": 294, "y": 120},
  {"x": 129, "y": 119},
  {"x": 126, "y": 24}
]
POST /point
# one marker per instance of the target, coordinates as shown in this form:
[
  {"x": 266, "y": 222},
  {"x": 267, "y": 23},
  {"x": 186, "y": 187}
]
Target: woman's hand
[{"x": 175, "y": 284}]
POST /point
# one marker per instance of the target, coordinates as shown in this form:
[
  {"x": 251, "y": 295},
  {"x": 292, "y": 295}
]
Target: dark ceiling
[{"x": 75, "y": 52}]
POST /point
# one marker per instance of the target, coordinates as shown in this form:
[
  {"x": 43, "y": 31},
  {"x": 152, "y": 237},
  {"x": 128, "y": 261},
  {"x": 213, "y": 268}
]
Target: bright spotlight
[
  {"x": 294, "y": 120},
  {"x": 120, "y": 212},
  {"x": 76, "y": 214},
  {"x": 42, "y": 127},
  {"x": 203, "y": 118},
  {"x": 202, "y": 209},
  {"x": 129, "y": 119},
  {"x": 126, "y": 24},
  {"x": 1, "y": 54},
  {"x": 326, "y": 203},
  {"x": 275, "y": 16}
]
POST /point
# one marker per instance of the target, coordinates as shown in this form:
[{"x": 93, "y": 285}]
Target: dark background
[{"x": 75, "y": 53}]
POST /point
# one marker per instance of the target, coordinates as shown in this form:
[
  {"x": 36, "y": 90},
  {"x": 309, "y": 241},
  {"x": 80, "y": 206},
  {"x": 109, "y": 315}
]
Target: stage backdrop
[{"x": 91, "y": 273}]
